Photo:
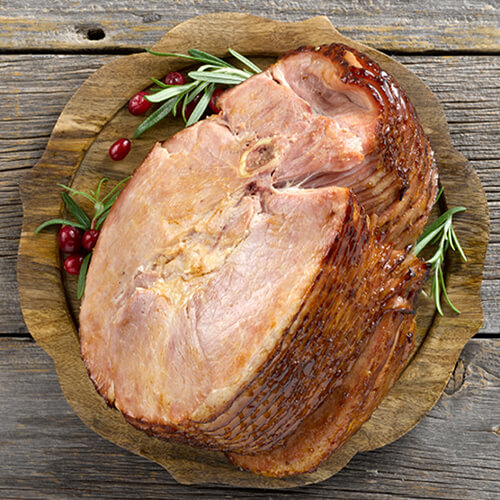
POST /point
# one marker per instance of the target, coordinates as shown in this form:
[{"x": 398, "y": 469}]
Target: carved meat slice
[
  {"x": 347, "y": 406},
  {"x": 352, "y": 125},
  {"x": 252, "y": 290}
]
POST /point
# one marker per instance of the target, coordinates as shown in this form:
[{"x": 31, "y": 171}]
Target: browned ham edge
[
  {"x": 346, "y": 408},
  {"x": 253, "y": 288}
]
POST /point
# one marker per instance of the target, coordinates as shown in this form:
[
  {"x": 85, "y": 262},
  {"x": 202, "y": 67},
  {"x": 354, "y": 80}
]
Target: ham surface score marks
[{"x": 253, "y": 288}]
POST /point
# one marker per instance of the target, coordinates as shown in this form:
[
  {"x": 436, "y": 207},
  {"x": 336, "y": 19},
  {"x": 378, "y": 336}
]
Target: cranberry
[
  {"x": 69, "y": 239},
  {"x": 213, "y": 100},
  {"x": 138, "y": 105},
  {"x": 89, "y": 239},
  {"x": 190, "y": 107},
  {"x": 119, "y": 149},
  {"x": 73, "y": 263},
  {"x": 174, "y": 78}
]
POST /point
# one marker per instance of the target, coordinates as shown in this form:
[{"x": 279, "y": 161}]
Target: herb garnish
[
  {"x": 213, "y": 71},
  {"x": 441, "y": 230},
  {"x": 102, "y": 208}
]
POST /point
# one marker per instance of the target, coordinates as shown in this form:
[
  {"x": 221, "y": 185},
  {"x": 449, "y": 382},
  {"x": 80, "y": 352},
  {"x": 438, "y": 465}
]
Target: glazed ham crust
[{"x": 261, "y": 300}]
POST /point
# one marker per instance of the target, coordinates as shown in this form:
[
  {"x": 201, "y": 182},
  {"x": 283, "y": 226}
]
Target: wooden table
[{"x": 48, "y": 48}]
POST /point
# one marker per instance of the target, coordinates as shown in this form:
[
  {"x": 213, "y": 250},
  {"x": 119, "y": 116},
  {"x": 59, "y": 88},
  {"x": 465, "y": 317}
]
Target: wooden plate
[{"x": 77, "y": 154}]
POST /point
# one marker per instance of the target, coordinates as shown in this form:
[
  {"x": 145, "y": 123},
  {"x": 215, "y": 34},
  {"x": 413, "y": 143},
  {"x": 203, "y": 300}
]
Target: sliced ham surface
[{"x": 253, "y": 289}]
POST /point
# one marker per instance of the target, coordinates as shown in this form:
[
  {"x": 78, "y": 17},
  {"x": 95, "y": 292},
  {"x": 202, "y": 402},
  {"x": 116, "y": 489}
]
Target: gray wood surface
[
  {"x": 397, "y": 25},
  {"x": 45, "y": 451},
  {"x": 48, "y": 453}
]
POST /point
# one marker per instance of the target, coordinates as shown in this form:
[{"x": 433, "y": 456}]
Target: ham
[{"x": 253, "y": 288}]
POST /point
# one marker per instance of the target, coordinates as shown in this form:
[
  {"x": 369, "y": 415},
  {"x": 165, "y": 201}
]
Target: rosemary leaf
[
  {"x": 450, "y": 242},
  {"x": 160, "y": 84},
  {"x": 212, "y": 67},
  {"x": 154, "y": 118},
  {"x": 108, "y": 204},
  {"x": 202, "y": 56},
  {"x": 190, "y": 96},
  {"x": 81, "y": 193},
  {"x": 457, "y": 244},
  {"x": 75, "y": 209},
  {"x": 102, "y": 217},
  {"x": 64, "y": 222},
  {"x": 99, "y": 186},
  {"x": 155, "y": 89},
  {"x": 171, "y": 91},
  {"x": 183, "y": 109},
  {"x": 445, "y": 293},
  {"x": 174, "y": 109},
  {"x": 229, "y": 72},
  {"x": 172, "y": 54},
  {"x": 425, "y": 239},
  {"x": 440, "y": 192},
  {"x": 436, "y": 224},
  {"x": 217, "y": 77},
  {"x": 194, "y": 55},
  {"x": 119, "y": 187},
  {"x": 249, "y": 64},
  {"x": 200, "y": 88},
  {"x": 435, "y": 291},
  {"x": 201, "y": 106},
  {"x": 82, "y": 276}
]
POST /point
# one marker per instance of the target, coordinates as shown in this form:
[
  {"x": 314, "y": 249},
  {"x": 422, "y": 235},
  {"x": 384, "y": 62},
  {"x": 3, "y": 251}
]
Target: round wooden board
[{"x": 77, "y": 155}]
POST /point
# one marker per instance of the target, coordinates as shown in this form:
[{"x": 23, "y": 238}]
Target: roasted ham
[{"x": 253, "y": 287}]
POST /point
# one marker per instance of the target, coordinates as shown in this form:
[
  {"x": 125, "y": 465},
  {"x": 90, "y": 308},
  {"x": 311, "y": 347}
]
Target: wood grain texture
[
  {"x": 132, "y": 24},
  {"x": 26, "y": 120},
  {"x": 29, "y": 111},
  {"x": 47, "y": 452},
  {"x": 83, "y": 133}
]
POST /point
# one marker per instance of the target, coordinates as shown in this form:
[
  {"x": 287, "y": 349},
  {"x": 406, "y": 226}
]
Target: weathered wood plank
[
  {"x": 133, "y": 24},
  {"x": 35, "y": 88},
  {"x": 473, "y": 113},
  {"x": 47, "y": 452}
]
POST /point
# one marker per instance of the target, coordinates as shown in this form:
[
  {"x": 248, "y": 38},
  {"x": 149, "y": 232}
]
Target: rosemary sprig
[
  {"x": 102, "y": 207},
  {"x": 213, "y": 71},
  {"x": 82, "y": 276},
  {"x": 440, "y": 232}
]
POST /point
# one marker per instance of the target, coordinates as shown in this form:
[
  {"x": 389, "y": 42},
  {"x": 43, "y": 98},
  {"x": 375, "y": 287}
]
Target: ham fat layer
[{"x": 253, "y": 289}]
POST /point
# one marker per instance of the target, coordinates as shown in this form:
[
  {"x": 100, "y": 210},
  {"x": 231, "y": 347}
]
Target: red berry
[
  {"x": 69, "y": 239},
  {"x": 138, "y": 105},
  {"x": 213, "y": 100},
  {"x": 190, "y": 107},
  {"x": 119, "y": 149},
  {"x": 174, "y": 78},
  {"x": 73, "y": 263},
  {"x": 89, "y": 239}
]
